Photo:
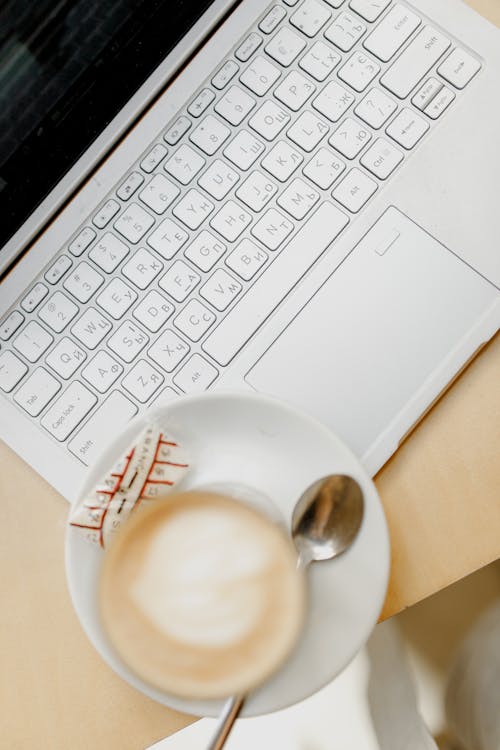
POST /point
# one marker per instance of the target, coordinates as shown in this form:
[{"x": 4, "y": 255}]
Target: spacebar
[{"x": 275, "y": 283}]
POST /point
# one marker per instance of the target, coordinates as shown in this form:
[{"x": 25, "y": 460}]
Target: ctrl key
[{"x": 68, "y": 411}]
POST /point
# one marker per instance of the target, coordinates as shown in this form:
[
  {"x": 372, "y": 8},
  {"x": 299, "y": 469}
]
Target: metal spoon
[{"x": 325, "y": 522}]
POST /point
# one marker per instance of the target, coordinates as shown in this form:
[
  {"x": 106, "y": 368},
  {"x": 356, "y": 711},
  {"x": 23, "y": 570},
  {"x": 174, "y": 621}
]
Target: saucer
[{"x": 260, "y": 442}]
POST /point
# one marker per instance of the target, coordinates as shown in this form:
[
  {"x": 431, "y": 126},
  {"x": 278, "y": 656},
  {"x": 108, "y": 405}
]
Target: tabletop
[{"x": 440, "y": 494}]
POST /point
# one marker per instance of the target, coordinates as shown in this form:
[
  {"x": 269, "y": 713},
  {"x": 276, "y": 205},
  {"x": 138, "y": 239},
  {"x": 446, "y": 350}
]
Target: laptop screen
[{"x": 66, "y": 68}]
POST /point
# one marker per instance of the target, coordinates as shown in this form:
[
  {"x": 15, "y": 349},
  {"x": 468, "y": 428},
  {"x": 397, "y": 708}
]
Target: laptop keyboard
[{"x": 289, "y": 138}]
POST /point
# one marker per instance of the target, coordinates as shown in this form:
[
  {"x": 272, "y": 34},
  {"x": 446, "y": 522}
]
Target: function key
[
  {"x": 248, "y": 47},
  {"x": 58, "y": 269},
  {"x": 10, "y": 324},
  {"x": 272, "y": 19},
  {"x": 153, "y": 158},
  {"x": 34, "y": 297},
  {"x": 130, "y": 185},
  {"x": 225, "y": 74},
  {"x": 177, "y": 130},
  {"x": 201, "y": 102},
  {"x": 82, "y": 241},
  {"x": 106, "y": 213}
]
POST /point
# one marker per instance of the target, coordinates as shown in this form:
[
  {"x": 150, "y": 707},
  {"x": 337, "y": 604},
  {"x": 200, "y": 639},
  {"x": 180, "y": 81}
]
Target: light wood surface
[{"x": 441, "y": 496}]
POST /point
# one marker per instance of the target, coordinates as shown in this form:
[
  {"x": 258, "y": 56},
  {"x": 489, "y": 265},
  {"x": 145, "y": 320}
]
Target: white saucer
[{"x": 268, "y": 445}]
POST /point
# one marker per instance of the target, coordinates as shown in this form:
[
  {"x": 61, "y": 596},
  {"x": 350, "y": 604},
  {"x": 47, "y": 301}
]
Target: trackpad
[{"x": 374, "y": 333}]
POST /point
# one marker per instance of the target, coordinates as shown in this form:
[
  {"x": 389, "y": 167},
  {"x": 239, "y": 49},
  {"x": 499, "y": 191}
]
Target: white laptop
[{"x": 298, "y": 197}]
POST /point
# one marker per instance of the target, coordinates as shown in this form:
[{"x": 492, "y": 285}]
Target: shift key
[
  {"x": 102, "y": 427},
  {"x": 415, "y": 62}
]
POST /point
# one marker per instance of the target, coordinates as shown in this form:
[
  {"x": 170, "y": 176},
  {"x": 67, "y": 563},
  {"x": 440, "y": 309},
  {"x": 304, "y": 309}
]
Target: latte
[{"x": 200, "y": 595}]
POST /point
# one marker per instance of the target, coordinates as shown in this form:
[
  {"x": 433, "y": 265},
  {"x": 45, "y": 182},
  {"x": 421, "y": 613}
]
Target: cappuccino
[{"x": 200, "y": 595}]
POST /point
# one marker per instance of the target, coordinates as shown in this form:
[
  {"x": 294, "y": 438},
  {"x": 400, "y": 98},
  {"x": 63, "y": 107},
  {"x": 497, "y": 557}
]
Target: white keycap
[
  {"x": 244, "y": 149},
  {"x": 324, "y": 168},
  {"x": 307, "y": 131},
  {"x": 177, "y": 130},
  {"x": 231, "y": 220},
  {"x": 333, "y": 101},
  {"x": 153, "y": 158},
  {"x": 159, "y": 193},
  {"x": 225, "y": 74},
  {"x": 272, "y": 19},
  {"x": 167, "y": 238},
  {"x": 106, "y": 213},
  {"x": 33, "y": 298},
  {"x": 310, "y": 17},
  {"x": 58, "y": 269},
  {"x": 282, "y": 160},
  {"x": 359, "y": 71},
  {"x": 127, "y": 341},
  {"x": 256, "y": 191},
  {"x": 459, "y": 68},
  {"x": 426, "y": 93},
  {"x": 218, "y": 179},
  {"x": 269, "y": 120},
  {"x": 194, "y": 320},
  {"x": 102, "y": 371},
  {"x": 334, "y": 3},
  {"x": 345, "y": 31},
  {"x": 179, "y": 280},
  {"x": 354, "y": 190},
  {"x": 168, "y": 350},
  {"x": 375, "y": 108},
  {"x": 265, "y": 295},
  {"x": 201, "y": 102},
  {"x": 294, "y": 90},
  {"x": 220, "y": 289},
  {"x": 10, "y": 324},
  {"x": 142, "y": 268},
  {"x": 235, "y": 105},
  {"x": 184, "y": 164},
  {"x": 392, "y": 32},
  {"x": 370, "y": 10},
  {"x": 130, "y": 185},
  {"x": 205, "y": 250},
  {"x": 193, "y": 209},
  {"x": 407, "y": 128},
  {"x": 91, "y": 328},
  {"x": 440, "y": 102},
  {"x": 319, "y": 61},
  {"x": 382, "y": 158},
  {"x": 196, "y": 375},
  {"x": 83, "y": 281},
  {"x": 298, "y": 199},
  {"x": 246, "y": 259},
  {"x": 65, "y": 358},
  {"x": 95, "y": 435},
  {"x": 248, "y": 47},
  {"x": 272, "y": 229},
  {"x": 116, "y": 298},
  {"x": 134, "y": 223},
  {"x": 153, "y": 311},
  {"x": 82, "y": 241},
  {"x": 142, "y": 381},
  {"x": 415, "y": 61},
  {"x": 33, "y": 341},
  {"x": 11, "y": 371},
  {"x": 349, "y": 138},
  {"x": 68, "y": 411},
  {"x": 108, "y": 252},
  {"x": 210, "y": 134},
  {"x": 36, "y": 392},
  {"x": 260, "y": 75},
  {"x": 285, "y": 46},
  {"x": 58, "y": 312}
]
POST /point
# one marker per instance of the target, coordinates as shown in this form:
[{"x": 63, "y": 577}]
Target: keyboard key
[
  {"x": 319, "y": 61},
  {"x": 65, "y": 358},
  {"x": 193, "y": 209},
  {"x": 167, "y": 238},
  {"x": 244, "y": 149},
  {"x": 269, "y": 120},
  {"x": 272, "y": 19},
  {"x": 235, "y": 105},
  {"x": 415, "y": 61},
  {"x": 248, "y": 47},
  {"x": 375, "y": 108},
  {"x": 333, "y": 101},
  {"x": 370, "y": 10},
  {"x": 68, "y": 411},
  {"x": 166, "y": 395},
  {"x": 345, "y": 31},
  {"x": 168, "y": 350},
  {"x": 459, "y": 68},
  {"x": 83, "y": 282},
  {"x": 82, "y": 241},
  {"x": 359, "y": 71},
  {"x": 95, "y": 435},
  {"x": 231, "y": 220},
  {"x": 220, "y": 289},
  {"x": 324, "y": 168},
  {"x": 12, "y": 370},
  {"x": 108, "y": 252},
  {"x": 425, "y": 94},
  {"x": 310, "y": 17},
  {"x": 179, "y": 280},
  {"x": 10, "y": 324},
  {"x": 298, "y": 199},
  {"x": 210, "y": 135},
  {"x": 382, "y": 158},
  {"x": 294, "y": 90},
  {"x": 142, "y": 381},
  {"x": 127, "y": 341},
  {"x": 440, "y": 102},
  {"x": 407, "y": 128},
  {"x": 36, "y": 392},
  {"x": 102, "y": 371},
  {"x": 33, "y": 341},
  {"x": 116, "y": 298},
  {"x": 333, "y": 3},
  {"x": 91, "y": 328},
  {"x": 265, "y": 295},
  {"x": 106, "y": 213},
  {"x": 282, "y": 160},
  {"x": 142, "y": 268},
  {"x": 218, "y": 179},
  {"x": 256, "y": 191},
  {"x": 354, "y": 190},
  {"x": 153, "y": 158},
  {"x": 153, "y": 311},
  {"x": 58, "y": 269},
  {"x": 260, "y": 75},
  {"x": 392, "y": 32},
  {"x": 33, "y": 298},
  {"x": 272, "y": 229},
  {"x": 194, "y": 320},
  {"x": 196, "y": 375},
  {"x": 205, "y": 251},
  {"x": 349, "y": 138},
  {"x": 128, "y": 187},
  {"x": 307, "y": 131},
  {"x": 285, "y": 46},
  {"x": 134, "y": 223},
  {"x": 159, "y": 194},
  {"x": 177, "y": 130},
  {"x": 201, "y": 102},
  {"x": 246, "y": 259},
  {"x": 184, "y": 164},
  {"x": 225, "y": 74},
  {"x": 58, "y": 312}
]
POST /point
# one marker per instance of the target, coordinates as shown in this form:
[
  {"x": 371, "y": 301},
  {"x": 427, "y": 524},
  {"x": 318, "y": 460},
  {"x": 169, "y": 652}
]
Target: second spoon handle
[{"x": 229, "y": 714}]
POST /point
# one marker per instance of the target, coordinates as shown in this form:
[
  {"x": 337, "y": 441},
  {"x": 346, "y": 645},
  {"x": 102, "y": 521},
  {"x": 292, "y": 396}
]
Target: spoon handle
[{"x": 229, "y": 714}]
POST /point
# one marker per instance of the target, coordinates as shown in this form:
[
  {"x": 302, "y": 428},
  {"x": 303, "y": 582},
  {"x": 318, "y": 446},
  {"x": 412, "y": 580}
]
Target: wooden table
[{"x": 440, "y": 492}]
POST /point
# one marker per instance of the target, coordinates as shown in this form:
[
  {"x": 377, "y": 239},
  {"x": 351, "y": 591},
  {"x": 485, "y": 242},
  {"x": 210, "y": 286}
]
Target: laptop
[{"x": 297, "y": 197}]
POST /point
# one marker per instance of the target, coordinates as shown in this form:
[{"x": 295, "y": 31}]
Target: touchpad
[{"x": 374, "y": 333}]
